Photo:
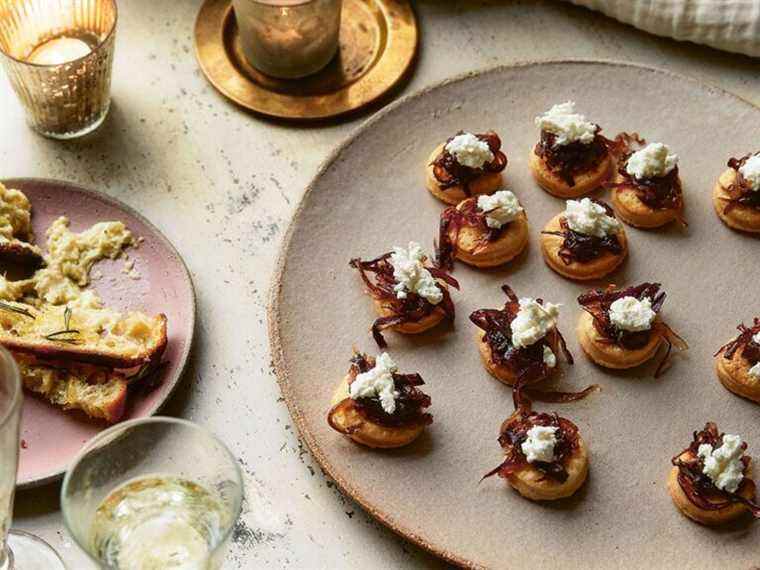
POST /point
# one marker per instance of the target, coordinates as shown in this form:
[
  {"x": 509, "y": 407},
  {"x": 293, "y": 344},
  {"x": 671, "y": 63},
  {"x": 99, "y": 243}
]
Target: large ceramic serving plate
[
  {"x": 51, "y": 438},
  {"x": 370, "y": 195}
]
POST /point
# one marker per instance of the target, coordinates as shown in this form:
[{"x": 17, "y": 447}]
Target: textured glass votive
[
  {"x": 288, "y": 38},
  {"x": 58, "y": 56}
]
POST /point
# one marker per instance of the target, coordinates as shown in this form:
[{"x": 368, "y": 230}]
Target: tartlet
[
  {"x": 546, "y": 458},
  {"x": 711, "y": 480},
  {"x": 519, "y": 344},
  {"x": 622, "y": 328},
  {"x": 738, "y": 362},
  {"x": 466, "y": 165},
  {"x": 571, "y": 158},
  {"x": 736, "y": 195},
  {"x": 376, "y": 406},
  {"x": 486, "y": 231},
  {"x": 585, "y": 241},
  {"x": 410, "y": 295},
  {"x": 646, "y": 188}
]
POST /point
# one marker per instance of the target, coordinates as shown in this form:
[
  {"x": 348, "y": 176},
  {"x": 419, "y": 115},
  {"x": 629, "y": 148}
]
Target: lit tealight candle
[{"x": 58, "y": 51}]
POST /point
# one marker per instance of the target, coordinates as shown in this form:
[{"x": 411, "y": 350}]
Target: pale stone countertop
[{"x": 222, "y": 185}]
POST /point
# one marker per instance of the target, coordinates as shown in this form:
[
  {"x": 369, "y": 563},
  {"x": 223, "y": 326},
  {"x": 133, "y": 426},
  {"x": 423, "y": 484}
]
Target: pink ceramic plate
[{"x": 51, "y": 437}]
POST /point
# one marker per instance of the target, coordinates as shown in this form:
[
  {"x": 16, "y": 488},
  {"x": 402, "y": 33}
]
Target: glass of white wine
[
  {"x": 18, "y": 550},
  {"x": 153, "y": 493}
]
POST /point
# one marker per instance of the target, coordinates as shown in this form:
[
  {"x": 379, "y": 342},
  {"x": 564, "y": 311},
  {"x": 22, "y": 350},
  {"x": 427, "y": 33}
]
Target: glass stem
[{"x": 6, "y": 558}]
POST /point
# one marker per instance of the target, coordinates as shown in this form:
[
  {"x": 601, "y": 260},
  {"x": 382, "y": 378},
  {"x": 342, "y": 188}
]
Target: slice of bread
[
  {"x": 95, "y": 336},
  {"x": 99, "y": 392},
  {"x": 18, "y": 251}
]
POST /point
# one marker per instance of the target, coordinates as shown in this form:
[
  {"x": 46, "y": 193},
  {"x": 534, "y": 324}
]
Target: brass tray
[{"x": 378, "y": 43}]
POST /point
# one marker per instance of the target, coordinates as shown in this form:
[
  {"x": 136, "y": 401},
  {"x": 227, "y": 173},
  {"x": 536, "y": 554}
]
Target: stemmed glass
[
  {"x": 153, "y": 493},
  {"x": 18, "y": 550}
]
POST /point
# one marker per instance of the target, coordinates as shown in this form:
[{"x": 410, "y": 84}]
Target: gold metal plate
[{"x": 378, "y": 42}]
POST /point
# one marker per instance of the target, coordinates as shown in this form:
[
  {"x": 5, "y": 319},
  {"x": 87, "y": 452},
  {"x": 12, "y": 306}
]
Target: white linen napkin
[{"x": 731, "y": 25}]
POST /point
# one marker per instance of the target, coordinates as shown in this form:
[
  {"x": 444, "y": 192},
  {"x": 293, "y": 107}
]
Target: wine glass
[
  {"x": 151, "y": 493},
  {"x": 18, "y": 550}
]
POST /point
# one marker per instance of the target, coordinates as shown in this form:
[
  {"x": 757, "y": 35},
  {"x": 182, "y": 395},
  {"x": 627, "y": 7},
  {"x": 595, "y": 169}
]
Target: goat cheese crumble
[
  {"x": 411, "y": 276},
  {"x": 539, "y": 446},
  {"x": 751, "y": 172},
  {"x": 500, "y": 208},
  {"x": 587, "y": 217},
  {"x": 630, "y": 314},
  {"x": 567, "y": 125},
  {"x": 377, "y": 381},
  {"x": 469, "y": 150},
  {"x": 533, "y": 321},
  {"x": 723, "y": 465},
  {"x": 652, "y": 161}
]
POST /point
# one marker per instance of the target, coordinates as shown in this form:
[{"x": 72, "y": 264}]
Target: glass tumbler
[
  {"x": 58, "y": 57},
  {"x": 18, "y": 550},
  {"x": 288, "y": 39},
  {"x": 153, "y": 493}
]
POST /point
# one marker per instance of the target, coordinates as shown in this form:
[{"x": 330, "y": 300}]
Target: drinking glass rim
[
  {"x": 138, "y": 421},
  {"x": 97, "y": 48},
  {"x": 8, "y": 359}
]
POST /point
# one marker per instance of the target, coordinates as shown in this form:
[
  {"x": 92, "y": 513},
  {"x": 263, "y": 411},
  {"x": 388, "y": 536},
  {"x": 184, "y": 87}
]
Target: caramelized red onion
[
  {"x": 751, "y": 349},
  {"x": 410, "y": 403},
  {"x": 449, "y": 172},
  {"x": 568, "y": 161},
  {"x": 409, "y": 310},
  {"x": 698, "y": 487},
  {"x": 453, "y": 219},
  {"x": 597, "y": 304},
  {"x": 514, "y": 431},
  {"x": 739, "y": 191},
  {"x": 584, "y": 248}
]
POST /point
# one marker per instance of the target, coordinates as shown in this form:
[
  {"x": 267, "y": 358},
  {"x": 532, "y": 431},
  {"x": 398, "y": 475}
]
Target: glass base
[
  {"x": 68, "y": 135},
  {"x": 29, "y": 552}
]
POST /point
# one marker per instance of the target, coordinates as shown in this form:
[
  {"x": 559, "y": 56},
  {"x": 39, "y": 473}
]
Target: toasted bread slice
[
  {"x": 95, "y": 336},
  {"x": 18, "y": 251},
  {"x": 99, "y": 392}
]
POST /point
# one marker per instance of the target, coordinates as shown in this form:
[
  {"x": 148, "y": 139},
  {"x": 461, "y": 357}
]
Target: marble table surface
[{"x": 222, "y": 185}]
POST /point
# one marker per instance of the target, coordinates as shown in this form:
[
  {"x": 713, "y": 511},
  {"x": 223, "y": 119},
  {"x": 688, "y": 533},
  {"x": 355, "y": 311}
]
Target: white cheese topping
[
  {"x": 751, "y": 172},
  {"x": 567, "y": 125},
  {"x": 723, "y": 465},
  {"x": 550, "y": 359},
  {"x": 654, "y": 160},
  {"x": 754, "y": 372},
  {"x": 377, "y": 381},
  {"x": 540, "y": 444},
  {"x": 411, "y": 275},
  {"x": 469, "y": 150},
  {"x": 630, "y": 314},
  {"x": 756, "y": 338},
  {"x": 15, "y": 214},
  {"x": 500, "y": 208},
  {"x": 589, "y": 218},
  {"x": 533, "y": 321}
]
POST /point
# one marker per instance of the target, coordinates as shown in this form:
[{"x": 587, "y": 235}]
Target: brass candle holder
[{"x": 58, "y": 58}]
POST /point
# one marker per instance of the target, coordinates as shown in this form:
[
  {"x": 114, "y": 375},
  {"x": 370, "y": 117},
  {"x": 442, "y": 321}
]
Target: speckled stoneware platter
[
  {"x": 51, "y": 437},
  {"x": 370, "y": 196}
]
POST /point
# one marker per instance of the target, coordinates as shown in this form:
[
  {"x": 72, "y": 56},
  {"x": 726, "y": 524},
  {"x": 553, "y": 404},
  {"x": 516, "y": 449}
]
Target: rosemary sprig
[
  {"x": 13, "y": 309},
  {"x": 67, "y": 330}
]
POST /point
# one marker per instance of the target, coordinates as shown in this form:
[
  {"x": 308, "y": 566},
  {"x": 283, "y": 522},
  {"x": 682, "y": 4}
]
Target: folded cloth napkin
[{"x": 731, "y": 25}]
